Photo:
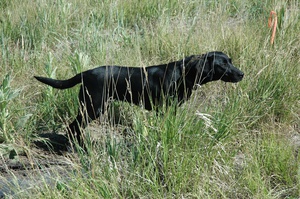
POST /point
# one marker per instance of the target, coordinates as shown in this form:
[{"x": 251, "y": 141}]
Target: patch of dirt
[{"x": 46, "y": 161}]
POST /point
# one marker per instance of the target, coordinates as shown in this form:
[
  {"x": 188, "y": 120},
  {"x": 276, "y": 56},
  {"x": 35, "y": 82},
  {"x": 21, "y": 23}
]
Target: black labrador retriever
[{"x": 149, "y": 86}]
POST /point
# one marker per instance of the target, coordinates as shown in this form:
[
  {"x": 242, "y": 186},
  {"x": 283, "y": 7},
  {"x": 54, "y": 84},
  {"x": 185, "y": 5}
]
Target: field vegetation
[{"x": 228, "y": 141}]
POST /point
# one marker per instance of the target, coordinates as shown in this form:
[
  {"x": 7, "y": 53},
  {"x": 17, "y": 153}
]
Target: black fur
[{"x": 150, "y": 86}]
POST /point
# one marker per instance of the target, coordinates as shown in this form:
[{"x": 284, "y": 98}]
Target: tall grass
[{"x": 228, "y": 141}]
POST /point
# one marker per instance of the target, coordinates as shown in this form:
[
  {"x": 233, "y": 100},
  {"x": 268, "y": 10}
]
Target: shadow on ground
[
  {"x": 53, "y": 142},
  {"x": 44, "y": 164}
]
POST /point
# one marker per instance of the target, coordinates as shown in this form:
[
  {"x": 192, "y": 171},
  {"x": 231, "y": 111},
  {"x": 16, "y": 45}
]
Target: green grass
[{"x": 229, "y": 140}]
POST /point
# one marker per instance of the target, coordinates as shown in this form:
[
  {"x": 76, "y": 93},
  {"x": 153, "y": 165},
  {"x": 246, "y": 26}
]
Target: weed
[
  {"x": 7, "y": 94},
  {"x": 227, "y": 141}
]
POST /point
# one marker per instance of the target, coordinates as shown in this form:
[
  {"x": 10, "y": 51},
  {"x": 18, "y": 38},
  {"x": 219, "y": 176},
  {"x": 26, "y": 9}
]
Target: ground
[{"x": 45, "y": 162}]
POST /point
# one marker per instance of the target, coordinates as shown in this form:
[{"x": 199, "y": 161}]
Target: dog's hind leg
[
  {"x": 74, "y": 129},
  {"x": 89, "y": 109}
]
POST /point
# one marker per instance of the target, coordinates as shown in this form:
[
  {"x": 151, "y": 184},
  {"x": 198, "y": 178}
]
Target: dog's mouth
[{"x": 232, "y": 78}]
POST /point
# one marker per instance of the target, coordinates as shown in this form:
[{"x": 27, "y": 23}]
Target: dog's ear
[
  {"x": 213, "y": 54},
  {"x": 210, "y": 55}
]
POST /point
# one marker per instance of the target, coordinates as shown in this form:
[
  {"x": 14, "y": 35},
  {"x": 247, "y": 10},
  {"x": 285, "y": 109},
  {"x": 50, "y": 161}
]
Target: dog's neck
[{"x": 197, "y": 70}]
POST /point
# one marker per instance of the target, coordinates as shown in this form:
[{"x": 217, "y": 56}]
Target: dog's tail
[{"x": 61, "y": 84}]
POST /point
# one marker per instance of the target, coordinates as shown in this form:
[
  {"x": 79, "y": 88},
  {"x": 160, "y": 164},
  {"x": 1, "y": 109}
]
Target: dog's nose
[{"x": 241, "y": 74}]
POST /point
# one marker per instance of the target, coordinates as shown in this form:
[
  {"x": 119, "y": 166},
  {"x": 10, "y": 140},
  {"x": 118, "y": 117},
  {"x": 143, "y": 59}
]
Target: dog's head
[
  {"x": 220, "y": 67},
  {"x": 211, "y": 67}
]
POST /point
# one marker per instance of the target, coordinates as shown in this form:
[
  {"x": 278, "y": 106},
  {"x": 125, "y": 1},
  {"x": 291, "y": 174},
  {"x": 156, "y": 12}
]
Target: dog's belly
[{"x": 133, "y": 92}]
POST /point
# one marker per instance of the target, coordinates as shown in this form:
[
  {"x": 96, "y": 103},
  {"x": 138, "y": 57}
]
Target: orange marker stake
[{"x": 272, "y": 22}]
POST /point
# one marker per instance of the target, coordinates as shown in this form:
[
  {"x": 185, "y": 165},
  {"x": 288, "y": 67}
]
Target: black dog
[{"x": 150, "y": 86}]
